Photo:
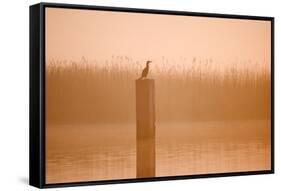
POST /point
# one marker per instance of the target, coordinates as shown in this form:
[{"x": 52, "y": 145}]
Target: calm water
[{"x": 99, "y": 152}]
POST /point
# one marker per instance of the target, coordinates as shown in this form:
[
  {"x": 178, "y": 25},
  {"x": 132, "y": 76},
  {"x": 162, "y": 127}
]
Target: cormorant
[{"x": 145, "y": 70}]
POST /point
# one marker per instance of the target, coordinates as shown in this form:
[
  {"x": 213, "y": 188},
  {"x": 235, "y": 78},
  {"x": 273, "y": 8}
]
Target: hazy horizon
[{"x": 72, "y": 33}]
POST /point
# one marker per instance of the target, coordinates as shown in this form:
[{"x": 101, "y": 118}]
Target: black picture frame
[{"x": 37, "y": 94}]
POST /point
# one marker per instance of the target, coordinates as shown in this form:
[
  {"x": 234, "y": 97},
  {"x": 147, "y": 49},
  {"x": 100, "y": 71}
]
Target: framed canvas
[{"x": 128, "y": 95}]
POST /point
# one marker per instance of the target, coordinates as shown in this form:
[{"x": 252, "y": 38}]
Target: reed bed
[{"x": 103, "y": 91}]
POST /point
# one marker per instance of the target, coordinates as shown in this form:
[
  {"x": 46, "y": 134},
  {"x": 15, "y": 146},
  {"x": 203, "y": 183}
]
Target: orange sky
[{"x": 73, "y": 33}]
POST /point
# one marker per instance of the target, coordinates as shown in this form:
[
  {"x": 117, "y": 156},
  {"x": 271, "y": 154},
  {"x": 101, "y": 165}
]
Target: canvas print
[{"x": 139, "y": 95}]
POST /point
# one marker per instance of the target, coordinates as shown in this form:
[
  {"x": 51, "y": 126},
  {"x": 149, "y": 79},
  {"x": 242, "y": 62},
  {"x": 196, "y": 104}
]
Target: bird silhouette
[{"x": 145, "y": 70}]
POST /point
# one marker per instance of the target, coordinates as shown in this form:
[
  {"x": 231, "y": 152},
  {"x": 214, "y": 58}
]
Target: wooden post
[{"x": 145, "y": 115}]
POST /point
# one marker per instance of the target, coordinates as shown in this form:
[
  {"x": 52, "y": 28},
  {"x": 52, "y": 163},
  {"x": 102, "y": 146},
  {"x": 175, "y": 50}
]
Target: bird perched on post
[{"x": 145, "y": 70}]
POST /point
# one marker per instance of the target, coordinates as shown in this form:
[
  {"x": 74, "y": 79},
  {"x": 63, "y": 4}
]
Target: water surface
[{"x": 108, "y": 151}]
